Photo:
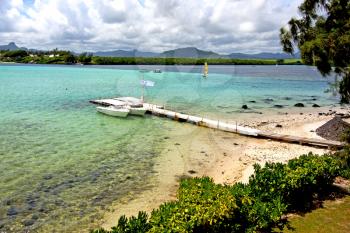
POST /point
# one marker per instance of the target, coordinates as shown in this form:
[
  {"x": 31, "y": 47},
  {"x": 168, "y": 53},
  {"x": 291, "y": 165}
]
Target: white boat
[
  {"x": 113, "y": 111},
  {"x": 130, "y": 101},
  {"x": 137, "y": 111},
  {"x": 157, "y": 71},
  {"x": 133, "y": 104}
]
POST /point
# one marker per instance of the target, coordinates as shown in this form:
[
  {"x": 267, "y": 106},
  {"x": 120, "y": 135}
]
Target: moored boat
[
  {"x": 137, "y": 111},
  {"x": 113, "y": 111}
]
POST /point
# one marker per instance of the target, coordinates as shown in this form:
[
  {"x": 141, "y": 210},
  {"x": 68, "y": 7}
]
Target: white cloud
[{"x": 223, "y": 26}]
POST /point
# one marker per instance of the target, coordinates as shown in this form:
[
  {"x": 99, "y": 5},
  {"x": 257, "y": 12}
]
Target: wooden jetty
[{"x": 227, "y": 127}]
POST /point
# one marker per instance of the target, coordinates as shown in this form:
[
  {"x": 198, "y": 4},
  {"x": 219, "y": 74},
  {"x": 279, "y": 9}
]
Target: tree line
[{"x": 67, "y": 57}]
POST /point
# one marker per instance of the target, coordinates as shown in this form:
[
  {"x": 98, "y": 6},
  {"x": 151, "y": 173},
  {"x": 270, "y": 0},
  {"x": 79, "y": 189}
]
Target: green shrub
[
  {"x": 133, "y": 224},
  {"x": 260, "y": 205},
  {"x": 343, "y": 157},
  {"x": 345, "y": 137},
  {"x": 202, "y": 206},
  {"x": 253, "y": 214},
  {"x": 296, "y": 182}
]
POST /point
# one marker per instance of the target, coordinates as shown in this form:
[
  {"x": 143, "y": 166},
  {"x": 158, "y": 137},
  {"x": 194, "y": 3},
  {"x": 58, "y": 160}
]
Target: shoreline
[
  {"x": 154, "y": 64},
  {"x": 227, "y": 158}
]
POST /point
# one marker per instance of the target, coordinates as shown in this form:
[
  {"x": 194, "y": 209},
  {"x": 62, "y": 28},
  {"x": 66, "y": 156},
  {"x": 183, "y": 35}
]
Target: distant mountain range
[
  {"x": 11, "y": 46},
  {"x": 125, "y": 53},
  {"x": 264, "y": 56},
  {"x": 192, "y": 52},
  {"x": 189, "y": 52}
]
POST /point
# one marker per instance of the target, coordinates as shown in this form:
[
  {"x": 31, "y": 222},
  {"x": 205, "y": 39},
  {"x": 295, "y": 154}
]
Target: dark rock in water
[
  {"x": 192, "y": 172},
  {"x": 220, "y": 106},
  {"x": 278, "y": 106},
  {"x": 31, "y": 204},
  {"x": 28, "y": 222},
  {"x": 8, "y": 201},
  {"x": 12, "y": 211},
  {"x": 315, "y": 105},
  {"x": 43, "y": 209},
  {"x": 252, "y": 101},
  {"x": 278, "y": 126},
  {"x": 287, "y": 98},
  {"x": 300, "y": 105},
  {"x": 312, "y": 99},
  {"x": 333, "y": 129},
  {"x": 47, "y": 177},
  {"x": 244, "y": 106},
  {"x": 268, "y": 100}
]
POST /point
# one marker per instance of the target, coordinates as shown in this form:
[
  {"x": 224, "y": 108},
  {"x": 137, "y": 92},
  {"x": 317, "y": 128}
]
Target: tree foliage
[
  {"x": 85, "y": 58},
  {"x": 322, "y": 35},
  {"x": 66, "y": 57}
]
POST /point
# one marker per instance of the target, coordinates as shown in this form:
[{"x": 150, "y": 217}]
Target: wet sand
[{"x": 192, "y": 151}]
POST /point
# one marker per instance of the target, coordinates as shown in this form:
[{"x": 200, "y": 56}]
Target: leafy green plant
[
  {"x": 345, "y": 137},
  {"x": 202, "y": 206},
  {"x": 133, "y": 224},
  {"x": 343, "y": 157},
  {"x": 260, "y": 205}
]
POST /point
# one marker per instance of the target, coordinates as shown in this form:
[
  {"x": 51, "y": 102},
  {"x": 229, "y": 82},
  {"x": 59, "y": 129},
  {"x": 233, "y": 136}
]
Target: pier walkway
[{"x": 228, "y": 127}]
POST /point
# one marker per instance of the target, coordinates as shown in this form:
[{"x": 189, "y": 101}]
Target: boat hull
[
  {"x": 138, "y": 111},
  {"x": 116, "y": 112}
]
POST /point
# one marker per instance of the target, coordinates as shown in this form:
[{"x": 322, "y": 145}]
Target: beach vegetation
[
  {"x": 85, "y": 58},
  {"x": 15, "y": 54},
  {"x": 322, "y": 35},
  {"x": 259, "y": 206},
  {"x": 66, "y": 57},
  {"x": 345, "y": 137}
]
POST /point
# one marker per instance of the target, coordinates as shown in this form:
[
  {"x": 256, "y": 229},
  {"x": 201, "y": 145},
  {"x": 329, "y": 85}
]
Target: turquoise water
[{"x": 63, "y": 164}]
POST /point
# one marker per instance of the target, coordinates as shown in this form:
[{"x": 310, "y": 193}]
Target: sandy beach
[{"x": 227, "y": 158}]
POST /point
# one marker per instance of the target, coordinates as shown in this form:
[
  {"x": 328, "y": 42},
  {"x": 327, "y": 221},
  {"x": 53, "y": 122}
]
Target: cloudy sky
[{"x": 223, "y": 26}]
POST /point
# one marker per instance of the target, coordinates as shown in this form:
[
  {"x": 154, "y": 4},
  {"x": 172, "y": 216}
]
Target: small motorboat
[
  {"x": 114, "y": 111},
  {"x": 157, "y": 71}
]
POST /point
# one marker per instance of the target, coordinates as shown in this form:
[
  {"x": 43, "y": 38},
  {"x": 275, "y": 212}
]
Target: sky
[{"x": 223, "y": 26}]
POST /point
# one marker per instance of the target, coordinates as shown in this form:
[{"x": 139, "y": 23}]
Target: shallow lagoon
[{"x": 63, "y": 164}]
